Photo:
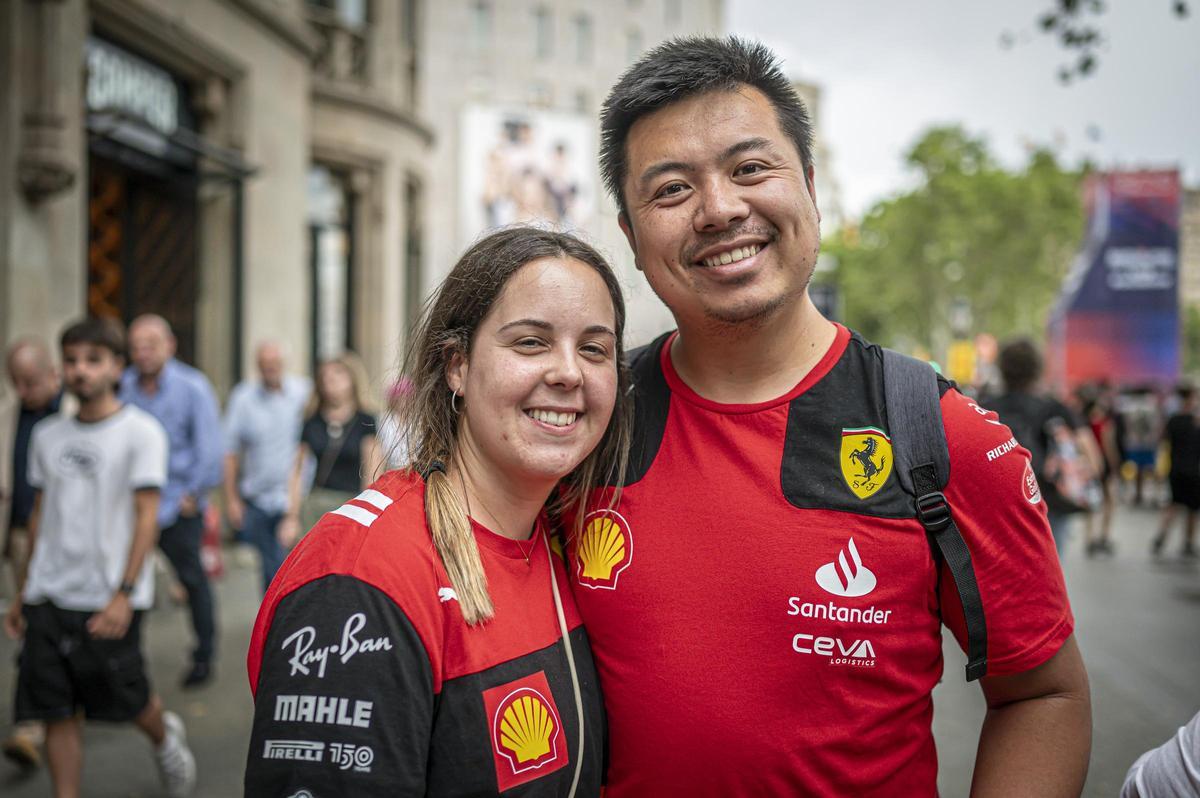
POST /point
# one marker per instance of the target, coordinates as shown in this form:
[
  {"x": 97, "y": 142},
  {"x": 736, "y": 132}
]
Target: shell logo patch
[
  {"x": 526, "y": 730},
  {"x": 866, "y": 460},
  {"x": 604, "y": 550}
]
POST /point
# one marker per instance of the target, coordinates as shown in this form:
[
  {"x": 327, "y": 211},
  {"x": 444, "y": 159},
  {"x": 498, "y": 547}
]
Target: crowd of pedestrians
[
  {"x": 97, "y": 479},
  {"x": 132, "y": 446},
  {"x": 1099, "y": 445}
]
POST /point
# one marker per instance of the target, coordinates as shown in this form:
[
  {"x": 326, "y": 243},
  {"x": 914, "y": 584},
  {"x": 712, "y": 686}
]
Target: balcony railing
[{"x": 342, "y": 53}]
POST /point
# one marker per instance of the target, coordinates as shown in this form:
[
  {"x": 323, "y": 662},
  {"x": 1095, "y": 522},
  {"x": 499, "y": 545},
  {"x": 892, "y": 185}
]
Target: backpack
[
  {"x": 921, "y": 461},
  {"x": 1064, "y": 473}
]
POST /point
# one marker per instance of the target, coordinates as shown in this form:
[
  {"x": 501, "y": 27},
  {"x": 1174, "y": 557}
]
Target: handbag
[{"x": 323, "y": 500}]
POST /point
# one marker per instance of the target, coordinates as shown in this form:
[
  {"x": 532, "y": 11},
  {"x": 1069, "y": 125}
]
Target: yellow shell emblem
[
  {"x": 866, "y": 460},
  {"x": 526, "y": 728},
  {"x": 605, "y": 550}
]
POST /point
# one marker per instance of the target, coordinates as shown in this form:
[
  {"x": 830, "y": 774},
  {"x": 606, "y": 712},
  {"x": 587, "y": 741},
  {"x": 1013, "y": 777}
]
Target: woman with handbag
[
  {"x": 339, "y": 436},
  {"x": 423, "y": 639}
]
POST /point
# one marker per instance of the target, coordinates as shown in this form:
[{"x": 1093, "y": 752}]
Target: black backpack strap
[
  {"x": 923, "y": 467},
  {"x": 651, "y": 403}
]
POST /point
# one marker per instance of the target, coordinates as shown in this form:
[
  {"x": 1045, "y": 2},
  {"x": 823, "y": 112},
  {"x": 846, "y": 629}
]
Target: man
[
  {"x": 1039, "y": 422},
  {"x": 97, "y": 478},
  {"x": 1182, "y": 437},
  {"x": 182, "y": 400},
  {"x": 764, "y": 608},
  {"x": 37, "y": 395},
  {"x": 262, "y": 433}
]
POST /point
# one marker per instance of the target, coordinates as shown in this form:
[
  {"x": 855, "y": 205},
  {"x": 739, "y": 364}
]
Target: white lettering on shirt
[{"x": 304, "y": 656}]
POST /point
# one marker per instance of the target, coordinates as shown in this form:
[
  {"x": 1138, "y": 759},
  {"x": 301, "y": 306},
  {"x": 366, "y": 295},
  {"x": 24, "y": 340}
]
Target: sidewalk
[{"x": 1138, "y": 626}]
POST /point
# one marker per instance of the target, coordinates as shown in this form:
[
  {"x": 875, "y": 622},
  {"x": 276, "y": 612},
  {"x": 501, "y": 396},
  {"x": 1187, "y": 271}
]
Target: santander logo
[{"x": 846, "y": 578}]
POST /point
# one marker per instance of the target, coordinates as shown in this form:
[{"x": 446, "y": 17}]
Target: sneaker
[
  {"x": 1189, "y": 552},
  {"x": 1156, "y": 546},
  {"x": 21, "y": 751},
  {"x": 176, "y": 765}
]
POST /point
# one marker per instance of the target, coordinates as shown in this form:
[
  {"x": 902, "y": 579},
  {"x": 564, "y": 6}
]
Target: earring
[{"x": 454, "y": 402}]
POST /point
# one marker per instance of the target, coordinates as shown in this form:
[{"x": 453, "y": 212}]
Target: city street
[{"x": 1136, "y": 623}]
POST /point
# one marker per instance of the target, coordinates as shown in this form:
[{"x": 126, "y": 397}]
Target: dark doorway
[{"x": 142, "y": 247}]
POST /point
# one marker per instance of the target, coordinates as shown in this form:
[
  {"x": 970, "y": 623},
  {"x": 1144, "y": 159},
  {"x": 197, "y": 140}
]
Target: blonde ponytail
[{"x": 455, "y": 544}]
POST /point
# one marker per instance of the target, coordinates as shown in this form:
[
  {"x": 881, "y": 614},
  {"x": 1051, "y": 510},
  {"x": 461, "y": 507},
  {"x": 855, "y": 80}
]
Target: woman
[
  {"x": 422, "y": 638},
  {"x": 339, "y": 437}
]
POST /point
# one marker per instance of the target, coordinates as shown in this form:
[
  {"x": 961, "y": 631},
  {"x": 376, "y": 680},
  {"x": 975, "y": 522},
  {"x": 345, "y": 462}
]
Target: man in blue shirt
[
  {"x": 262, "y": 432},
  {"x": 182, "y": 400}
]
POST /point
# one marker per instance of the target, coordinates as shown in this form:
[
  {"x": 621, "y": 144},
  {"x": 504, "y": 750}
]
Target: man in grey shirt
[{"x": 262, "y": 431}]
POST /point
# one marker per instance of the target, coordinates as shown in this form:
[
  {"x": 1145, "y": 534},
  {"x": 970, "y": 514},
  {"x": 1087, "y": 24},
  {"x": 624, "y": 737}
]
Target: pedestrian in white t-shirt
[{"x": 97, "y": 477}]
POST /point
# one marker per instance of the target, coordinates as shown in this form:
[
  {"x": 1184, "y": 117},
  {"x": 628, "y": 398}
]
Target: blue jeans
[
  {"x": 258, "y": 529},
  {"x": 181, "y": 543}
]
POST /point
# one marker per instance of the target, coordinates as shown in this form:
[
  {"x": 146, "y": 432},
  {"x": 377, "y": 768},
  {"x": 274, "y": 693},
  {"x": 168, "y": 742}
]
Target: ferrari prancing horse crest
[{"x": 866, "y": 460}]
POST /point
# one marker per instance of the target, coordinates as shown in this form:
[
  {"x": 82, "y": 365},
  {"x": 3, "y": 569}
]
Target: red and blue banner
[{"x": 1117, "y": 318}]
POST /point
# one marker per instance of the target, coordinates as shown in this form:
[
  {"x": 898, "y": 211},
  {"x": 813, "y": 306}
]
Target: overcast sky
[{"x": 889, "y": 70}]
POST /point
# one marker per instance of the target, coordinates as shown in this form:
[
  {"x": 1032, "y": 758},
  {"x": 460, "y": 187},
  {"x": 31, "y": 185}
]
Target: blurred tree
[
  {"x": 970, "y": 234},
  {"x": 1076, "y": 24}
]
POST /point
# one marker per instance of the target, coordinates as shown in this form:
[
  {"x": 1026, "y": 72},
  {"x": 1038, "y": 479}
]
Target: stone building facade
[
  {"x": 300, "y": 170},
  {"x": 249, "y": 169},
  {"x": 543, "y": 66}
]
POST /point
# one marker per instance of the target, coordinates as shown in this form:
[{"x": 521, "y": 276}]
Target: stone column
[{"x": 46, "y": 163}]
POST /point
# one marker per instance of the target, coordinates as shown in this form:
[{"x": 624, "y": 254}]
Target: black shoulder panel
[
  {"x": 837, "y": 436},
  {"x": 652, "y": 403},
  {"x": 345, "y": 701}
]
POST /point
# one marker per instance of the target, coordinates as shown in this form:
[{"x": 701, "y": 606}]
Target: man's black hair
[
  {"x": 108, "y": 333},
  {"x": 1020, "y": 365},
  {"x": 685, "y": 67}
]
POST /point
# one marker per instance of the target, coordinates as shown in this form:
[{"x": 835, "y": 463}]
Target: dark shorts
[
  {"x": 62, "y": 669},
  {"x": 1185, "y": 490}
]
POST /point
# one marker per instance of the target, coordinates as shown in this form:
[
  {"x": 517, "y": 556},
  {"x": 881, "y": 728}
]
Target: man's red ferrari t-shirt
[{"x": 765, "y": 609}]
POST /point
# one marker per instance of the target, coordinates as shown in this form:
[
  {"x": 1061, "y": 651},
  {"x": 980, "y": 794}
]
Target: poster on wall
[
  {"x": 525, "y": 166},
  {"x": 1117, "y": 318}
]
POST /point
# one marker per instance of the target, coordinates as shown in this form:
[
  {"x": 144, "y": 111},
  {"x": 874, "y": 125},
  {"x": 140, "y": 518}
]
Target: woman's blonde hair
[
  {"x": 430, "y": 424},
  {"x": 359, "y": 381}
]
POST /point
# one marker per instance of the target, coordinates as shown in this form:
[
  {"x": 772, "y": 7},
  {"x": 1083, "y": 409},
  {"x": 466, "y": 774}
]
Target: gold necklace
[{"x": 496, "y": 520}]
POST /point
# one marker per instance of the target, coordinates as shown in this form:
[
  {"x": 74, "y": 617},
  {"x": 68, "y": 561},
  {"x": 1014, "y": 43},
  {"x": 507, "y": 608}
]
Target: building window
[
  {"x": 633, "y": 44},
  {"x": 410, "y": 37},
  {"x": 331, "y": 259},
  {"x": 342, "y": 45},
  {"x": 408, "y": 23},
  {"x": 481, "y": 25},
  {"x": 543, "y": 31},
  {"x": 413, "y": 269},
  {"x": 583, "y": 101},
  {"x": 353, "y": 14},
  {"x": 583, "y": 39}
]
